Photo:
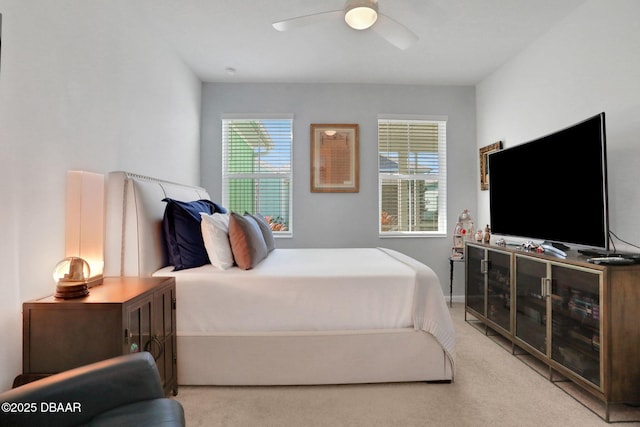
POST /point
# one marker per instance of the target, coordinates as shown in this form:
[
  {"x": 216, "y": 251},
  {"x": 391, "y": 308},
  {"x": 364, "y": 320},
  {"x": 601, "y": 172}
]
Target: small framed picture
[
  {"x": 334, "y": 158},
  {"x": 484, "y": 163}
]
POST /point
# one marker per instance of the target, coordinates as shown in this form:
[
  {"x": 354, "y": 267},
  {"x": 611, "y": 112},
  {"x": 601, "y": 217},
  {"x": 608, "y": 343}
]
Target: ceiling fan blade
[
  {"x": 303, "y": 21},
  {"x": 394, "y": 32}
]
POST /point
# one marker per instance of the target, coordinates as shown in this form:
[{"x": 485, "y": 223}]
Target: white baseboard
[{"x": 455, "y": 298}]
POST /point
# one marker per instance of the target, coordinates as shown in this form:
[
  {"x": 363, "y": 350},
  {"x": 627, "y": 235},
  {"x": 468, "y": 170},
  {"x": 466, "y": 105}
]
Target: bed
[{"x": 300, "y": 316}]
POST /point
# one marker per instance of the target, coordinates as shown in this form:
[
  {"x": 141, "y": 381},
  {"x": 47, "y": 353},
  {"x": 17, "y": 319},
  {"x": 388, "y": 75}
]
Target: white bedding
[
  {"x": 314, "y": 290},
  {"x": 134, "y": 247}
]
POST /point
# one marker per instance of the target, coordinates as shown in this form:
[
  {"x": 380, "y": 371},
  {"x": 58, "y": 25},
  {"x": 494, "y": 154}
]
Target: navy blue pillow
[{"x": 182, "y": 233}]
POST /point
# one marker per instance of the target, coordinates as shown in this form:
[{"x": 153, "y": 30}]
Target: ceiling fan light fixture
[{"x": 361, "y": 14}]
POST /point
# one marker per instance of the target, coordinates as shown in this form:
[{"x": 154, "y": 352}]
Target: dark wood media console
[{"x": 578, "y": 318}]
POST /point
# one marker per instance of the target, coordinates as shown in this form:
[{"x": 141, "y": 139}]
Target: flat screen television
[{"x": 553, "y": 189}]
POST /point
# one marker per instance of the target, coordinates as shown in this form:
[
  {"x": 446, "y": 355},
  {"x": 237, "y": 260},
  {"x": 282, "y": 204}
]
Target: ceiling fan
[{"x": 359, "y": 15}]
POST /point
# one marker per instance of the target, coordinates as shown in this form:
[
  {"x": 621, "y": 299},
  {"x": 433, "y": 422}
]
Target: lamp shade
[{"x": 84, "y": 236}]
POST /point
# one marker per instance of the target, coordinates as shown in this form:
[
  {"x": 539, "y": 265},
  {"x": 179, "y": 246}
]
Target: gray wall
[{"x": 351, "y": 220}]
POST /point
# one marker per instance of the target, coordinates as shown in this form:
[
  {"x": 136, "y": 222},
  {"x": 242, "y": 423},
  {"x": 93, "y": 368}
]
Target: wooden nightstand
[{"x": 123, "y": 315}]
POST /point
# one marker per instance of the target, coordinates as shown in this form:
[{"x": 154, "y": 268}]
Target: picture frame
[
  {"x": 484, "y": 163},
  {"x": 335, "y": 164}
]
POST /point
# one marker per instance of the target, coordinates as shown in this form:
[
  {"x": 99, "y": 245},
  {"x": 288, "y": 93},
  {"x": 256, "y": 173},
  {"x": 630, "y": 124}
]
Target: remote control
[
  {"x": 553, "y": 250},
  {"x": 611, "y": 260}
]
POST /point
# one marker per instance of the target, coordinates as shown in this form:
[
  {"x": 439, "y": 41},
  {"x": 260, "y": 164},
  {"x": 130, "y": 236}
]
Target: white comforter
[{"x": 314, "y": 290}]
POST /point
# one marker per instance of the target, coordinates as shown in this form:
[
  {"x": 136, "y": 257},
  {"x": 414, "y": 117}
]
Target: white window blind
[
  {"x": 257, "y": 168},
  {"x": 412, "y": 176}
]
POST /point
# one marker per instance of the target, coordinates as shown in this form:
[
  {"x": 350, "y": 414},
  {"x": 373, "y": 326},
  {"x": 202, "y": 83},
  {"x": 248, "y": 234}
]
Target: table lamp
[{"x": 82, "y": 268}]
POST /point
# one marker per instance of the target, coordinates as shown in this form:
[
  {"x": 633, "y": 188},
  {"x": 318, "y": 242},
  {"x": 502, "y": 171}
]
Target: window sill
[{"x": 413, "y": 234}]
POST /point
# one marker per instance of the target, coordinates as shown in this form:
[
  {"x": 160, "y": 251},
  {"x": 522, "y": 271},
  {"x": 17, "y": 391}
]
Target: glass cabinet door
[
  {"x": 531, "y": 303},
  {"x": 575, "y": 320},
  {"x": 498, "y": 270},
  {"x": 164, "y": 327},
  {"x": 138, "y": 331},
  {"x": 475, "y": 297}
]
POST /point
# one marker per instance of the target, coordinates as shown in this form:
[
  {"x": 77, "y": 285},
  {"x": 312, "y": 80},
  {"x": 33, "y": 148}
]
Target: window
[
  {"x": 256, "y": 165},
  {"x": 412, "y": 176}
]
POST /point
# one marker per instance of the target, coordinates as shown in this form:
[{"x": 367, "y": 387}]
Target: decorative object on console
[
  {"x": 484, "y": 163},
  {"x": 334, "y": 158},
  {"x": 84, "y": 236},
  {"x": 487, "y": 234},
  {"x": 462, "y": 233}
]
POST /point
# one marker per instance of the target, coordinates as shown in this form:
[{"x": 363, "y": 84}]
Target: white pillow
[{"x": 215, "y": 234}]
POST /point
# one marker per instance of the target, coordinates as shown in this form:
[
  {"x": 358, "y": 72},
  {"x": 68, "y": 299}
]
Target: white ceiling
[{"x": 461, "y": 41}]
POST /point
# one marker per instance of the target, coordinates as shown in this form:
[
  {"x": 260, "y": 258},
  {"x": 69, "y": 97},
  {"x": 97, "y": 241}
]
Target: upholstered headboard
[{"x": 134, "y": 244}]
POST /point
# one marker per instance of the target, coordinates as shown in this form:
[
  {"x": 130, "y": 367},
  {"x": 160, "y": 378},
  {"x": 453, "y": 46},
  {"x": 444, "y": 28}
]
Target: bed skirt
[{"x": 304, "y": 358}]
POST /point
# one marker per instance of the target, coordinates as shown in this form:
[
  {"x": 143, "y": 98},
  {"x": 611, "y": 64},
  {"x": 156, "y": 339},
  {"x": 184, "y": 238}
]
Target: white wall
[
  {"x": 82, "y": 86},
  {"x": 588, "y": 63},
  {"x": 348, "y": 219}
]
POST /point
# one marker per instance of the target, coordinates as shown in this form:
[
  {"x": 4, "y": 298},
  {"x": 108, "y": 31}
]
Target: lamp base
[
  {"x": 71, "y": 291},
  {"x": 94, "y": 281}
]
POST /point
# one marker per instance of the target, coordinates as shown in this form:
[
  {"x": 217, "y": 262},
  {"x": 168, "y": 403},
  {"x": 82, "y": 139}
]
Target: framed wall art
[
  {"x": 335, "y": 166},
  {"x": 484, "y": 163}
]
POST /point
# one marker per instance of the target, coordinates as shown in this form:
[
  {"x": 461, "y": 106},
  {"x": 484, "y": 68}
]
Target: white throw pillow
[{"x": 215, "y": 233}]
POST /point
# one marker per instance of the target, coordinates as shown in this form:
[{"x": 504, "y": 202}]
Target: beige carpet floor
[{"x": 491, "y": 388}]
